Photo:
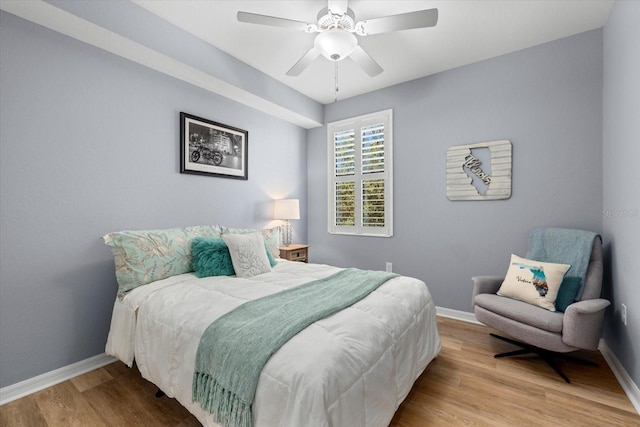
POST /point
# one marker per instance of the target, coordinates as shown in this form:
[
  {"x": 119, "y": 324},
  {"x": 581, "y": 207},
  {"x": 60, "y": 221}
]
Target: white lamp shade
[{"x": 286, "y": 209}]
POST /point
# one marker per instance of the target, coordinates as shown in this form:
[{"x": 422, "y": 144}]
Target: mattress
[{"x": 353, "y": 368}]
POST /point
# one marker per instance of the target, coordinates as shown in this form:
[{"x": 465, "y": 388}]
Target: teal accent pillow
[
  {"x": 272, "y": 260},
  {"x": 211, "y": 257},
  {"x": 567, "y": 292},
  {"x": 272, "y": 240}
]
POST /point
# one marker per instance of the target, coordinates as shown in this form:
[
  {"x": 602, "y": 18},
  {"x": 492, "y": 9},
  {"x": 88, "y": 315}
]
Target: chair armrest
[
  {"x": 582, "y": 323},
  {"x": 589, "y": 306},
  {"x": 485, "y": 285}
]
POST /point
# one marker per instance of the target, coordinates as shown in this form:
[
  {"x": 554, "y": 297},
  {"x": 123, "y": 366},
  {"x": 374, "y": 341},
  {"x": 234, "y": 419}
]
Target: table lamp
[{"x": 286, "y": 209}]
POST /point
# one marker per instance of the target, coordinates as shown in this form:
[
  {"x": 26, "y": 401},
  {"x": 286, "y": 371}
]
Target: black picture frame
[{"x": 211, "y": 148}]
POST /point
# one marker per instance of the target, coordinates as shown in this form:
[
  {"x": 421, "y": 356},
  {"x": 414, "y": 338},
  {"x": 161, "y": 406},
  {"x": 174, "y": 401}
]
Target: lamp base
[{"x": 287, "y": 232}]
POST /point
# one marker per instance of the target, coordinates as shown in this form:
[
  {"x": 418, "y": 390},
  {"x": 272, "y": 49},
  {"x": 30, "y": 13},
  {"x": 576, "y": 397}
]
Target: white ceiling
[{"x": 467, "y": 31}]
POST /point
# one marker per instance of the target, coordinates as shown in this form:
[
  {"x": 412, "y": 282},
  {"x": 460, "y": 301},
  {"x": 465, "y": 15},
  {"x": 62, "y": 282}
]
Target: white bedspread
[{"x": 353, "y": 368}]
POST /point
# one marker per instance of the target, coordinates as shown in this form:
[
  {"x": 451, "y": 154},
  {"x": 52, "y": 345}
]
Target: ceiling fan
[{"x": 337, "y": 30}]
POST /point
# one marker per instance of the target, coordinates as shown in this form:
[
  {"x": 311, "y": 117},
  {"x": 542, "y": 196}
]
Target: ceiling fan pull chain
[{"x": 336, "y": 82}]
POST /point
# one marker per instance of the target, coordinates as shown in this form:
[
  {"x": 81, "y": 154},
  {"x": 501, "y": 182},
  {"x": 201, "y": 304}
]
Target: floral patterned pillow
[{"x": 145, "y": 256}]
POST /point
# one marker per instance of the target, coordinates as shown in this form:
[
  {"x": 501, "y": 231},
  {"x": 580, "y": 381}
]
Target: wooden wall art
[{"x": 479, "y": 171}]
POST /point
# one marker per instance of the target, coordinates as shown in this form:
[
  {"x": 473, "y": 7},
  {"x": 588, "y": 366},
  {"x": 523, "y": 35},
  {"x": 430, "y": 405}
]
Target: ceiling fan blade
[
  {"x": 272, "y": 21},
  {"x": 304, "y": 62},
  {"x": 338, "y": 7},
  {"x": 366, "y": 62},
  {"x": 403, "y": 21}
]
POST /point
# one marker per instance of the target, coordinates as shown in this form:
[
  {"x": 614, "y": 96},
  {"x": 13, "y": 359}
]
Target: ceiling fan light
[{"x": 335, "y": 44}]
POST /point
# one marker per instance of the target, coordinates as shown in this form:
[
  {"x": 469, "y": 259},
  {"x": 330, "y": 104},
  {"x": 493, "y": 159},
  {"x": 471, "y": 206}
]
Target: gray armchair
[{"x": 536, "y": 330}]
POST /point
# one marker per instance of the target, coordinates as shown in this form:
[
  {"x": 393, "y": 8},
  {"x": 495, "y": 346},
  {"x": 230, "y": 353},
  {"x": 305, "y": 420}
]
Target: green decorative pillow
[
  {"x": 567, "y": 292},
  {"x": 272, "y": 240},
  {"x": 145, "y": 256},
  {"x": 210, "y": 257},
  {"x": 272, "y": 260},
  {"x": 533, "y": 282}
]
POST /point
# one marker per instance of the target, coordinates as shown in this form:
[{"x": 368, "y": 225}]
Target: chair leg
[
  {"x": 526, "y": 348},
  {"x": 554, "y": 366},
  {"x": 514, "y": 353},
  {"x": 546, "y": 355}
]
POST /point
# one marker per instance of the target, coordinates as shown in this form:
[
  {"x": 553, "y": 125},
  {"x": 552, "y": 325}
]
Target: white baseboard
[
  {"x": 465, "y": 316},
  {"x": 48, "y": 379},
  {"x": 627, "y": 384}
]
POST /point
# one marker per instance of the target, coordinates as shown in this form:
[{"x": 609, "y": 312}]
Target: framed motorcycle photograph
[{"x": 211, "y": 148}]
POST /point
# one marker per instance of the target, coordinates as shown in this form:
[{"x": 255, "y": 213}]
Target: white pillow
[
  {"x": 534, "y": 282},
  {"x": 248, "y": 254}
]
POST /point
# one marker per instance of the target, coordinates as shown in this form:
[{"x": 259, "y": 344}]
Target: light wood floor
[{"x": 465, "y": 385}]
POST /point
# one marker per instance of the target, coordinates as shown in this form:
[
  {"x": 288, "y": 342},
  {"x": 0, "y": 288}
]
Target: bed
[{"x": 352, "y": 368}]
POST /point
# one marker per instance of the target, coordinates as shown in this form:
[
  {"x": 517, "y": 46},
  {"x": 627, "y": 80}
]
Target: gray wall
[
  {"x": 136, "y": 23},
  {"x": 88, "y": 145},
  {"x": 547, "y": 100},
  {"x": 621, "y": 151}
]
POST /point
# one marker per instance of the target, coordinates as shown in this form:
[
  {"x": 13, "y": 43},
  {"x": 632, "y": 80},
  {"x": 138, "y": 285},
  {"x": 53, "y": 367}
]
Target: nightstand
[{"x": 295, "y": 253}]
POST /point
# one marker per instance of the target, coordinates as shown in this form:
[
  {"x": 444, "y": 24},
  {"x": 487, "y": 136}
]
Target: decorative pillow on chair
[
  {"x": 248, "y": 254},
  {"x": 533, "y": 282},
  {"x": 567, "y": 292}
]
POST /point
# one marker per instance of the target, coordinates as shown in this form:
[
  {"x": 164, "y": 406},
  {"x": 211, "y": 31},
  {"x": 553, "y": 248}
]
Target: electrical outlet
[
  {"x": 389, "y": 267},
  {"x": 623, "y": 314}
]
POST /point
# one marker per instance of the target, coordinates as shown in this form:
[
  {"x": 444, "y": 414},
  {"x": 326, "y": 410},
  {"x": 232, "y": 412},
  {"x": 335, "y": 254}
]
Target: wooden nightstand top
[
  {"x": 295, "y": 253},
  {"x": 293, "y": 247}
]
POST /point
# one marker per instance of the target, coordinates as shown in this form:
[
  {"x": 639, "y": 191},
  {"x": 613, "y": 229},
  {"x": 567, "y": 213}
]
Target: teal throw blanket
[
  {"x": 234, "y": 348},
  {"x": 564, "y": 246}
]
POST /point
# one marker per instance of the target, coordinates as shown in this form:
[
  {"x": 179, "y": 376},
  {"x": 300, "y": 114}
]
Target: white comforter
[{"x": 353, "y": 368}]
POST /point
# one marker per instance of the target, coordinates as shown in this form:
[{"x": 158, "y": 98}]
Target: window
[{"x": 360, "y": 174}]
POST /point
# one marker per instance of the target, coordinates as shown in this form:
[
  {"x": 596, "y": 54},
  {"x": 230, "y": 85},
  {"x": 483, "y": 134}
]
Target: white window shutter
[{"x": 360, "y": 175}]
